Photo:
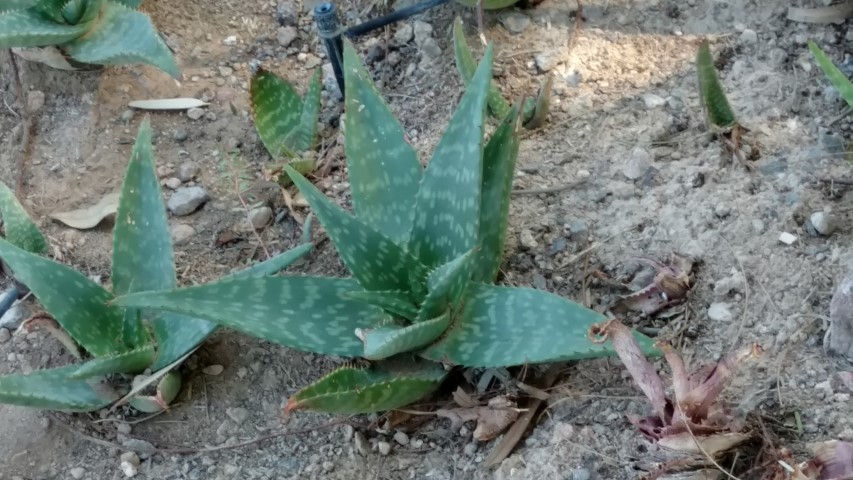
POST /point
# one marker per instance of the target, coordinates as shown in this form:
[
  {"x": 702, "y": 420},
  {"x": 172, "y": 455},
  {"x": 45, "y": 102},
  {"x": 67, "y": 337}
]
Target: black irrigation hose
[{"x": 329, "y": 28}]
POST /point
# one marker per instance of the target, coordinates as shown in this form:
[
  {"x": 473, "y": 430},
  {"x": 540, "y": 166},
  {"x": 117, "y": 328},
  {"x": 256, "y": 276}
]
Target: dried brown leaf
[
  {"x": 712, "y": 445},
  {"x": 669, "y": 286},
  {"x": 491, "y": 419},
  {"x": 89, "y": 217},
  {"x": 463, "y": 399},
  {"x": 628, "y": 350},
  {"x": 834, "y": 458},
  {"x": 697, "y": 403}
]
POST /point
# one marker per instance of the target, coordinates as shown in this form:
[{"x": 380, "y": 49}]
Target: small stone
[
  {"x": 758, "y": 225},
  {"x": 180, "y": 135},
  {"x": 581, "y": 474},
  {"x": 226, "y": 72},
  {"x": 653, "y": 101},
  {"x": 544, "y": 62},
  {"x": 142, "y": 448},
  {"x": 172, "y": 183},
  {"x": 361, "y": 444},
  {"x": 124, "y": 428},
  {"x": 5, "y": 335},
  {"x": 470, "y": 449},
  {"x": 328, "y": 466},
  {"x": 286, "y": 36},
  {"x": 403, "y": 35},
  {"x": 181, "y": 233},
  {"x": 129, "y": 469},
  {"x": 239, "y": 415},
  {"x": 258, "y": 219},
  {"x": 187, "y": 171},
  {"x": 35, "y": 101},
  {"x": 349, "y": 431},
  {"x": 213, "y": 370},
  {"x": 787, "y": 238},
  {"x": 637, "y": 164},
  {"x": 722, "y": 210},
  {"x": 195, "y": 113},
  {"x": 286, "y": 14},
  {"x": 401, "y": 438},
  {"x": 130, "y": 457},
  {"x": 748, "y": 37},
  {"x": 77, "y": 472},
  {"x": 383, "y": 447},
  {"x": 720, "y": 312},
  {"x": 127, "y": 115},
  {"x": 527, "y": 240},
  {"x": 823, "y": 223},
  {"x": 515, "y": 22},
  {"x": 416, "y": 443},
  {"x": 230, "y": 40},
  {"x": 187, "y": 200},
  {"x": 422, "y": 31},
  {"x": 430, "y": 49}
]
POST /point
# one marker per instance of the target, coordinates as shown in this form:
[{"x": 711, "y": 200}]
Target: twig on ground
[
  {"x": 26, "y": 124},
  {"x": 537, "y": 191}
]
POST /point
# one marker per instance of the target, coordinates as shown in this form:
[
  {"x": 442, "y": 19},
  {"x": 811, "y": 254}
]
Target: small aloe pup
[
  {"x": 117, "y": 340},
  {"x": 424, "y": 248},
  {"x": 102, "y": 32}
]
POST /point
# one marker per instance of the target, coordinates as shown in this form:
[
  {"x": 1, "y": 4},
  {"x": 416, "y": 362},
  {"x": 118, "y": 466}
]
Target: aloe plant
[
  {"x": 102, "y": 32},
  {"x": 285, "y": 122},
  {"x": 424, "y": 247},
  {"x": 718, "y": 112},
  {"x": 835, "y": 76},
  {"x": 118, "y": 340},
  {"x": 534, "y": 112}
]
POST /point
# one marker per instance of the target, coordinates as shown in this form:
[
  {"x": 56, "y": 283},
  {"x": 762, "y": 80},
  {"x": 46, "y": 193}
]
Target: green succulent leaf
[
  {"x": 374, "y": 260},
  {"x": 467, "y": 65},
  {"x": 499, "y": 160},
  {"x": 73, "y": 11},
  {"x": 448, "y": 202},
  {"x": 383, "y": 168},
  {"x": 535, "y": 115},
  {"x": 8, "y": 5},
  {"x": 127, "y": 362},
  {"x": 389, "y": 340},
  {"x": 835, "y": 76},
  {"x": 77, "y": 303},
  {"x": 446, "y": 286},
  {"x": 54, "y": 389},
  {"x": 310, "y": 115},
  {"x": 28, "y": 28},
  {"x": 502, "y": 326},
  {"x": 19, "y": 228},
  {"x": 122, "y": 35},
  {"x": 134, "y": 4},
  {"x": 167, "y": 390},
  {"x": 351, "y": 390},
  {"x": 274, "y": 264},
  {"x": 142, "y": 249},
  {"x": 278, "y": 112},
  {"x": 717, "y": 109},
  {"x": 395, "y": 302},
  {"x": 51, "y": 9},
  {"x": 305, "y": 313}
]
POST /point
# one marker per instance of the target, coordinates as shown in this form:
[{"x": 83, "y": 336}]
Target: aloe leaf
[
  {"x": 538, "y": 112},
  {"x": 374, "y": 260},
  {"x": 274, "y": 264},
  {"x": 134, "y": 4},
  {"x": 467, "y": 65},
  {"x": 835, "y": 76},
  {"x": 277, "y": 109},
  {"x": 54, "y": 389},
  {"x": 19, "y": 228},
  {"x": 395, "y": 302},
  {"x": 383, "y": 168},
  {"x": 502, "y": 326},
  {"x": 77, "y": 303},
  {"x": 389, "y": 340},
  {"x": 448, "y": 202},
  {"x": 310, "y": 115},
  {"x": 126, "y": 362},
  {"x": 306, "y": 313},
  {"x": 353, "y": 390},
  {"x": 27, "y": 28},
  {"x": 51, "y": 9},
  {"x": 142, "y": 249},
  {"x": 121, "y": 35},
  {"x": 446, "y": 285},
  {"x": 7, "y": 5},
  {"x": 717, "y": 109},
  {"x": 167, "y": 390},
  {"x": 499, "y": 160}
]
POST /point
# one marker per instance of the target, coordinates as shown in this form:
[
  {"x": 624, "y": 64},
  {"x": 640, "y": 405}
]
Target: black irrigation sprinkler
[{"x": 329, "y": 27}]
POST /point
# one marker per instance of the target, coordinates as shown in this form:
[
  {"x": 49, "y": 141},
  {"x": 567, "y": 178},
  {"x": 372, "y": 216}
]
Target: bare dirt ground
[{"x": 626, "y": 133}]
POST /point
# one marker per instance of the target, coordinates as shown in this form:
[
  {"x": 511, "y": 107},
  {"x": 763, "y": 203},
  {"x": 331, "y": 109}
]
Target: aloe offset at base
[
  {"x": 118, "y": 340},
  {"x": 102, "y": 32},
  {"x": 424, "y": 247}
]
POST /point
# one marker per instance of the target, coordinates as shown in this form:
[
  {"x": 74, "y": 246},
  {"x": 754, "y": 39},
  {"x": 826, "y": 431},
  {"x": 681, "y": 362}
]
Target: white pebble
[
  {"x": 787, "y": 238},
  {"x": 129, "y": 469},
  {"x": 384, "y": 448}
]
